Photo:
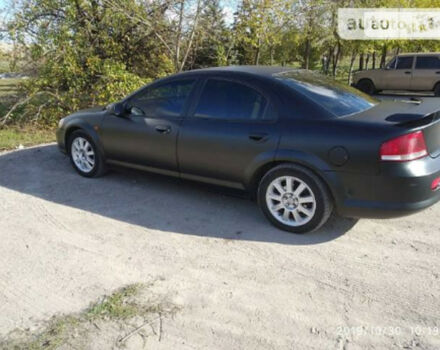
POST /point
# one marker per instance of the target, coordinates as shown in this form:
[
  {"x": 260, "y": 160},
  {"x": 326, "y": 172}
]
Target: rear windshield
[{"x": 338, "y": 99}]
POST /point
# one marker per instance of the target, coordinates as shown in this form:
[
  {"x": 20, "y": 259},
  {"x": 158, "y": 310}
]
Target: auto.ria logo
[{"x": 391, "y": 23}]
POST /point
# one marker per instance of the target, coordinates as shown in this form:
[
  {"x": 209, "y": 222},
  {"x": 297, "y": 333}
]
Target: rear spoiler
[{"x": 413, "y": 120}]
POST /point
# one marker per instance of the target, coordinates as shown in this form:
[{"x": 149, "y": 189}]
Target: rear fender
[{"x": 318, "y": 166}]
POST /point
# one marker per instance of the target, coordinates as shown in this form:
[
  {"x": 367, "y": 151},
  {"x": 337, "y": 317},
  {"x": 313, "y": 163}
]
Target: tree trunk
[
  {"x": 383, "y": 57},
  {"x": 307, "y": 54},
  {"x": 336, "y": 57},
  {"x": 327, "y": 62},
  {"x": 178, "y": 37},
  {"x": 374, "y": 60},
  {"x": 350, "y": 70},
  {"x": 367, "y": 60},
  {"x": 271, "y": 54},
  {"x": 257, "y": 52},
  {"x": 361, "y": 61},
  {"x": 257, "y": 56}
]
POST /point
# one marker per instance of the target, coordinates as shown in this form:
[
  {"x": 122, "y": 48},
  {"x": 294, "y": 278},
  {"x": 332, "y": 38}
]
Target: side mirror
[{"x": 117, "y": 109}]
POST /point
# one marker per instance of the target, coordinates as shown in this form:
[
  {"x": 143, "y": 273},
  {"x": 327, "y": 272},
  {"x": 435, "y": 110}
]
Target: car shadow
[{"x": 151, "y": 201}]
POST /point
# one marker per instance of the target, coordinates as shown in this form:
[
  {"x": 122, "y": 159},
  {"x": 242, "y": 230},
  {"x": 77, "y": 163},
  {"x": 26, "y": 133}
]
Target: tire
[
  {"x": 437, "y": 90},
  {"x": 87, "y": 165},
  {"x": 367, "y": 86},
  {"x": 310, "y": 215}
]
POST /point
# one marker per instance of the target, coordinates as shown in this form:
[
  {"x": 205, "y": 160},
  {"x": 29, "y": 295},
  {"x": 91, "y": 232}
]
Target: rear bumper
[{"x": 400, "y": 189}]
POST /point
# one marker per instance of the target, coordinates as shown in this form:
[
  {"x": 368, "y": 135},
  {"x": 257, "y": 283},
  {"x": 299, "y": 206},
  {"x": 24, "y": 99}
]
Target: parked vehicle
[
  {"x": 411, "y": 72},
  {"x": 303, "y": 144}
]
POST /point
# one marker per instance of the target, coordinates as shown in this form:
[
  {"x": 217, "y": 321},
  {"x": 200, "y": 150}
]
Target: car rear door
[
  {"x": 426, "y": 73},
  {"x": 399, "y": 76},
  {"x": 231, "y": 125},
  {"x": 146, "y": 135}
]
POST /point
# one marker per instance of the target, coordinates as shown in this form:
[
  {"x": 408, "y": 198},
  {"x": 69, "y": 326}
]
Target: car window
[
  {"x": 164, "y": 101},
  {"x": 404, "y": 62},
  {"x": 427, "y": 62},
  {"x": 340, "y": 100},
  {"x": 221, "y": 99},
  {"x": 392, "y": 64}
]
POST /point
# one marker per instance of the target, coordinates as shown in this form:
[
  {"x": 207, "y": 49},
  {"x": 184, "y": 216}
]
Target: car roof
[{"x": 263, "y": 71}]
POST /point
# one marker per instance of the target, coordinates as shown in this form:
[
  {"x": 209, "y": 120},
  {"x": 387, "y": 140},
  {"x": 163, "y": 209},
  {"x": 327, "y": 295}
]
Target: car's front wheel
[
  {"x": 294, "y": 199},
  {"x": 84, "y": 155}
]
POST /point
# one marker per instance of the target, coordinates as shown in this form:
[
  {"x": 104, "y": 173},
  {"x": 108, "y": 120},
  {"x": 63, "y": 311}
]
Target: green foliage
[
  {"x": 212, "y": 37},
  {"x": 86, "y": 53}
]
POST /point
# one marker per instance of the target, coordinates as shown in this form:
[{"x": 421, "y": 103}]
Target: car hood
[{"x": 88, "y": 111}]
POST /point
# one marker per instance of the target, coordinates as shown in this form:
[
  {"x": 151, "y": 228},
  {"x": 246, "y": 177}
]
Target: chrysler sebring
[{"x": 303, "y": 144}]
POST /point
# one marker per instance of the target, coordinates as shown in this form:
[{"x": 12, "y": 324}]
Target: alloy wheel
[
  {"x": 83, "y": 154},
  {"x": 290, "y": 201}
]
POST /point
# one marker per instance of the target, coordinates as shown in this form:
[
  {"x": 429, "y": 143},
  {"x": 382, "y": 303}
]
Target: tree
[
  {"x": 259, "y": 26},
  {"x": 86, "y": 53},
  {"x": 212, "y": 38}
]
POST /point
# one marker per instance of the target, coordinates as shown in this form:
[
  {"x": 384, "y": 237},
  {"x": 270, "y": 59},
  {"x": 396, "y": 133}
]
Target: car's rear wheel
[
  {"x": 437, "y": 90},
  {"x": 294, "y": 199},
  {"x": 84, "y": 155},
  {"x": 367, "y": 86}
]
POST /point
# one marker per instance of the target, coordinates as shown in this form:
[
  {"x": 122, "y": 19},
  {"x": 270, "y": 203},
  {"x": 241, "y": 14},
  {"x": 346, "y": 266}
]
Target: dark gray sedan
[{"x": 302, "y": 143}]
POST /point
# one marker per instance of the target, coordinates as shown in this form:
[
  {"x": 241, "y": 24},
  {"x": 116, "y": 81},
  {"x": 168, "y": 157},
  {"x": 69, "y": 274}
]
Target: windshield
[{"x": 337, "y": 98}]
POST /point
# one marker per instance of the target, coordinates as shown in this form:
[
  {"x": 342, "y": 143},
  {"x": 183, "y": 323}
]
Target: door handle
[
  {"x": 407, "y": 72},
  {"x": 163, "y": 129},
  {"x": 258, "y": 137},
  {"x": 437, "y": 72}
]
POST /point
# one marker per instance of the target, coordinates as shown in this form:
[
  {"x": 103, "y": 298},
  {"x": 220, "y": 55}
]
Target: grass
[
  {"x": 13, "y": 137},
  {"x": 9, "y": 86},
  {"x": 5, "y": 65},
  {"x": 119, "y": 305},
  {"x": 66, "y": 331}
]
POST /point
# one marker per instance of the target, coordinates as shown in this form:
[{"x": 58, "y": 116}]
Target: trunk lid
[{"x": 423, "y": 114}]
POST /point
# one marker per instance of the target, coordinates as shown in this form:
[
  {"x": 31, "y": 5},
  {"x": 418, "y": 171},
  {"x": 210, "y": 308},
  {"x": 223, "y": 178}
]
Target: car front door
[
  {"x": 398, "y": 76},
  {"x": 146, "y": 134},
  {"x": 230, "y": 127},
  {"x": 426, "y": 73}
]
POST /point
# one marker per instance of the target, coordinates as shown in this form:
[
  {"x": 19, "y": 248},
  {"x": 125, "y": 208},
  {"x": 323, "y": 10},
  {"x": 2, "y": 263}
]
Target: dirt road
[{"x": 240, "y": 283}]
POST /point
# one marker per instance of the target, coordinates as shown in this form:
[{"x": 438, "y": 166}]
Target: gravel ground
[{"x": 240, "y": 283}]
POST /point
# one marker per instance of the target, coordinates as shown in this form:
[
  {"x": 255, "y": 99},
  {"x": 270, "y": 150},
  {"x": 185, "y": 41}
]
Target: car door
[
  {"x": 399, "y": 76},
  {"x": 146, "y": 134},
  {"x": 426, "y": 73},
  {"x": 230, "y": 126}
]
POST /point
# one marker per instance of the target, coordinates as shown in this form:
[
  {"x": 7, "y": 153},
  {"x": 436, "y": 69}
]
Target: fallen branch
[
  {"x": 24, "y": 101},
  {"x": 160, "y": 327},
  {"x": 136, "y": 330}
]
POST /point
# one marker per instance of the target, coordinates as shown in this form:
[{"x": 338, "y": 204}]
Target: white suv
[{"x": 412, "y": 72}]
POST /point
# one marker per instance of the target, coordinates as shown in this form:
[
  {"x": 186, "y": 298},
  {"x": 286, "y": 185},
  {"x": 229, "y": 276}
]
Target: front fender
[{"x": 73, "y": 125}]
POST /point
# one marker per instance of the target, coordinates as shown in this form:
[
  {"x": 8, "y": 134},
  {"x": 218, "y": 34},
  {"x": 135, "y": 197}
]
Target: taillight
[
  {"x": 435, "y": 185},
  {"x": 403, "y": 148}
]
